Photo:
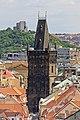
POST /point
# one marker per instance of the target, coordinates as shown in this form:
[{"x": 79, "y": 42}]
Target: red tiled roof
[
  {"x": 11, "y": 114},
  {"x": 12, "y": 91},
  {"x": 50, "y": 115},
  {"x": 3, "y": 110},
  {"x": 2, "y": 113},
  {"x": 70, "y": 102},
  {"x": 66, "y": 93},
  {"x": 15, "y": 108},
  {"x": 8, "y": 91},
  {"x": 22, "y": 90},
  {"x": 77, "y": 103},
  {"x": 7, "y": 74},
  {"x": 51, "y": 103},
  {"x": 53, "y": 114},
  {"x": 17, "y": 91}
]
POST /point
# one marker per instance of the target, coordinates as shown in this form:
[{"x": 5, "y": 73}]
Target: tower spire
[{"x": 42, "y": 35}]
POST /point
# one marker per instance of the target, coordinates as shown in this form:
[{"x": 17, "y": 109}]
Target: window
[
  {"x": 2, "y": 84},
  {"x": 12, "y": 118},
  {"x": 52, "y": 69},
  {"x": 3, "y": 77},
  {"x": 16, "y": 55},
  {"x": 9, "y": 55}
]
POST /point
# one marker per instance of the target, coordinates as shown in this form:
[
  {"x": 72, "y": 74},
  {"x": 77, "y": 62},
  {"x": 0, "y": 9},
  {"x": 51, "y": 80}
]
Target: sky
[{"x": 63, "y": 16}]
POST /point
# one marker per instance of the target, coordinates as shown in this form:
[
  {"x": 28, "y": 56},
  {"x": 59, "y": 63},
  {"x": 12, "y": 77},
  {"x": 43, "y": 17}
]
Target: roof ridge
[
  {"x": 69, "y": 102},
  {"x": 60, "y": 109},
  {"x": 20, "y": 65}
]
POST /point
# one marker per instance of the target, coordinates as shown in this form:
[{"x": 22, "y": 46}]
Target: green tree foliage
[
  {"x": 60, "y": 43},
  {"x": 16, "y": 41}
]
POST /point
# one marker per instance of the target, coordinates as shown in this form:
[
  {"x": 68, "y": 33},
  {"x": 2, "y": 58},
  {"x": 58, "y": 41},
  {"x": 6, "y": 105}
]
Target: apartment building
[{"x": 63, "y": 56}]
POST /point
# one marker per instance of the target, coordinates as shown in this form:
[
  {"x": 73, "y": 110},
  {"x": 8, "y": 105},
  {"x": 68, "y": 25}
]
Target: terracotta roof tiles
[
  {"x": 17, "y": 91},
  {"x": 51, "y": 103},
  {"x": 7, "y": 74},
  {"x": 77, "y": 103},
  {"x": 8, "y": 91},
  {"x": 71, "y": 89},
  {"x": 11, "y": 114},
  {"x": 50, "y": 115},
  {"x": 14, "y": 108},
  {"x": 12, "y": 91}
]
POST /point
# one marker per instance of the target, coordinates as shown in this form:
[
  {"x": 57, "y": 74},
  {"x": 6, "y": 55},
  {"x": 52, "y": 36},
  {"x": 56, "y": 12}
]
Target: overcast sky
[{"x": 63, "y": 16}]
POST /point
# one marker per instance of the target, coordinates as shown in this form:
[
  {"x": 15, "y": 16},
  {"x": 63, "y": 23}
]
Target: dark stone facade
[
  {"x": 38, "y": 82},
  {"x": 42, "y": 36},
  {"x": 38, "y": 67}
]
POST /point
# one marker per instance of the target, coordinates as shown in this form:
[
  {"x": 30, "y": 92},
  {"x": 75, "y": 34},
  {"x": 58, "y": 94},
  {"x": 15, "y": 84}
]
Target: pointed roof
[
  {"x": 42, "y": 36},
  {"x": 7, "y": 74}
]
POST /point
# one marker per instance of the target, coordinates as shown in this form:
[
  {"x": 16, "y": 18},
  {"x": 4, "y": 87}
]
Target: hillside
[
  {"x": 16, "y": 41},
  {"x": 60, "y": 43}
]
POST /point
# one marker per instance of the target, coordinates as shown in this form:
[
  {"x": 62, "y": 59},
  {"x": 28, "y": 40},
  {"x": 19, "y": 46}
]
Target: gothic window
[
  {"x": 41, "y": 28},
  {"x": 52, "y": 69},
  {"x": 40, "y": 43}
]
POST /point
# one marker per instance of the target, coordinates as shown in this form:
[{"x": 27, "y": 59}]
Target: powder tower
[{"x": 41, "y": 67}]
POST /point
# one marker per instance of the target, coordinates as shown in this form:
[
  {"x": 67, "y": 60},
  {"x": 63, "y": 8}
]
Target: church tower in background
[{"x": 41, "y": 67}]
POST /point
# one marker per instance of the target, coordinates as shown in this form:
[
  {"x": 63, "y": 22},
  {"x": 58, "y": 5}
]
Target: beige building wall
[
  {"x": 19, "y": 66},
  {"x": 11, "y": 82},
  {"x": 73, "y": 62},
  {"x": 53, "y": 72}
]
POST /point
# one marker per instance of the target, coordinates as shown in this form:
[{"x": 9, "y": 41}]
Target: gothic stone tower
[{"x": 41, "y": 67}]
